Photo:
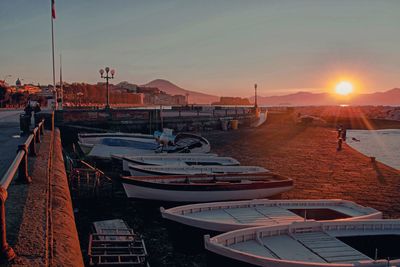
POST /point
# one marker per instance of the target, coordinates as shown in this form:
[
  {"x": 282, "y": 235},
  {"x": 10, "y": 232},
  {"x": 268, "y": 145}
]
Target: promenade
[{"x": 9, "y": 137}]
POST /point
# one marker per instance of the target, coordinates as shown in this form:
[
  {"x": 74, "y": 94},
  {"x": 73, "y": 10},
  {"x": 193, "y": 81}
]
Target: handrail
[{"x": 20, "y": 165}]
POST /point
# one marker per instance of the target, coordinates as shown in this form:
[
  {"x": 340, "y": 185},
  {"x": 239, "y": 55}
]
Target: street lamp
[{"x": 107, "y": 77}]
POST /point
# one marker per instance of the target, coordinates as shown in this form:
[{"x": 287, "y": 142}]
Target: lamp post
[
  {"x": 107, "y": 77},
  {"x": 255, "y": 96}
]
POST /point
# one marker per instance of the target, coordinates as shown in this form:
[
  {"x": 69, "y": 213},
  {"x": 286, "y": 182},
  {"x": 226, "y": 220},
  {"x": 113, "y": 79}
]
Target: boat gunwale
[
  {"x": 158, "y": 171},
  {"x": 156, "y": 183},
  {"x": 214, "y": 244},
  {"x": 178, "y": 213}
]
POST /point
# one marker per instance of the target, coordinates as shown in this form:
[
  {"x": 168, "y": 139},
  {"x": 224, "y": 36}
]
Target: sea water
[{"x": 384, "y": 145}]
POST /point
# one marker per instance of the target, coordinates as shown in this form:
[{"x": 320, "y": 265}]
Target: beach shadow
[{"x": 378, "y": 171}]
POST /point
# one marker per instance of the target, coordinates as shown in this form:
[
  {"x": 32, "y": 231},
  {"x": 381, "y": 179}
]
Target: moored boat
[
  {"x": 87, "y": 141},
  {"x": 183, "y": 159},
  {"x": 206, "y": 188},
  {"x": 363, "y": 243},
  {"x": 233, "y": 215},
  {"x": 118, "y": 159},
  {"x": 104, "y": 146},
  {"x": 145, "y": 170}
]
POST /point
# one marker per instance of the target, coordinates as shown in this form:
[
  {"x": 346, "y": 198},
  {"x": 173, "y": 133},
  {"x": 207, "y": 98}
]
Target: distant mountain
[
  {"x": 172, "y": 89},
  {"x": 390, "y": 97}
]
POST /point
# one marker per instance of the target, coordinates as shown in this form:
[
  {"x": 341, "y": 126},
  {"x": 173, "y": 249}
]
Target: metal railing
[{"x": 20, "y": 166}]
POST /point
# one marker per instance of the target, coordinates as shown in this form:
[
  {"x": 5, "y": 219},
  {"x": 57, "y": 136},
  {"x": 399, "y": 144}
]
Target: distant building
[
  {"x": 3, "y": 84},
  {"x": 225, "y": 100}
]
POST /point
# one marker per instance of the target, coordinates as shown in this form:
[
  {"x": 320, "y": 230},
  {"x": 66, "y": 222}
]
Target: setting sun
[{"x": 344, "y": 88}]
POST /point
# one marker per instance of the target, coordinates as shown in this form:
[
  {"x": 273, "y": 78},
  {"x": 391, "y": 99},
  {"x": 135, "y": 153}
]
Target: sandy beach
[
  {"x": 308, "y": 155},
  {"x": 305, "y": 153}
]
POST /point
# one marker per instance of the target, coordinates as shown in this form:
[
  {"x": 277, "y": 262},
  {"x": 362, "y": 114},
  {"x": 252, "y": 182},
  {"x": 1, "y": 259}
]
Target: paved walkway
[{"x": 9, "y": 137}]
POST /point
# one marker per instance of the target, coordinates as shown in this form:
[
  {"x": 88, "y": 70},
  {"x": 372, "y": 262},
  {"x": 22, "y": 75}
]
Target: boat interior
[
  {"x": 383, "y": 246},
  {"x": 337, "y": 243},
  {"x": 273, "y": 215}
]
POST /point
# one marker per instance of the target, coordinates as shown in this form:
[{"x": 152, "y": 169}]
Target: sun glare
[{"x": 344, "y": 88}]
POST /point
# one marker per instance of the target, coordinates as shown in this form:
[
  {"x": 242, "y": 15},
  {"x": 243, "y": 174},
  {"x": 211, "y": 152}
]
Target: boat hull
[
  {"x": 323, "y": 210},
  {"x": 149, "y": 193},
  {"x": 85, "y": 147}
]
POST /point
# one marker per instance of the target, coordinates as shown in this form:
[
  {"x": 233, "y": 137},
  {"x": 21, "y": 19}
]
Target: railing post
[
  {"x": 23, "y": 174},
  {"x": 32, "y": 146},
  {"x": 41, "y": 128},
  {"x": 37, "y": 135},
  {"x": 7, "y": 253}
]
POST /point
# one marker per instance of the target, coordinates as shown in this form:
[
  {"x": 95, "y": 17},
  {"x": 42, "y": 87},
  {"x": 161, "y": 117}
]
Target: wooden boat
[
  {"x": 206, "y": 188},
  {"x": 133, "y": 146},
  {"x": 227, "y": 216},
  {"x": 365, "y": 243},
  {"x": 87, "y": 141},
  {"x": 118, "y": 159},
  {"x": 145, "y": 170},
  {"x": 113, "y": 243},
  {"x": 181, "y": 159}
]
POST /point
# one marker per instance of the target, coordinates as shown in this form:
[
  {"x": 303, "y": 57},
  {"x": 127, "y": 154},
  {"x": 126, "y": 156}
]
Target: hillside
[
  {"x": 390, "y": 97},
  {"x": 170, "y": 88}
]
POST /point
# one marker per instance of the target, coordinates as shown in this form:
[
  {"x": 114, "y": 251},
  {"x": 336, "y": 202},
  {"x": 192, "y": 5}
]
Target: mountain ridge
[
  {"x": 173, "y": 89},
  {"x": 301, "y": 98}
]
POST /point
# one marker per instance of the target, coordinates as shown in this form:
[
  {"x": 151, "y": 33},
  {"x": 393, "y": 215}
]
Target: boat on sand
[
  {"x": 365, "y": 243},
  {"x": 205, "y": 188},
  {"x": 146, "y": 170},
  {"x": 227, "y": 216}
]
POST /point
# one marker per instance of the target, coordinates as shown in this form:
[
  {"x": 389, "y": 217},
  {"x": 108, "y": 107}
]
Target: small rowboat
[
  {"x": 233, "y": 215},
  {"x": 145, "y": 170},
  {"x": 206, "y": 188},
  {"x": 188, "y": 224},
  {"x": 179, "y": 159},
  {"x": 361, "y": 243}
]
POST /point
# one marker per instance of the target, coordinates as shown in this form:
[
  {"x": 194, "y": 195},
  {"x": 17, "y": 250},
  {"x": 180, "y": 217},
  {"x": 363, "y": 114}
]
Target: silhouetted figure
[
  {"x": 344, "y": 133},
  {"x": 28, "y": 110},
  {"x": 339, "y": 144},
  {"x": 339, "y": 131},
  {"x": 37, "y": 108}
]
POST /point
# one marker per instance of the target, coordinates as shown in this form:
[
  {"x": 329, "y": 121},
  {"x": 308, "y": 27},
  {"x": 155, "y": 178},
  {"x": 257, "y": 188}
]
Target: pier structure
[
  {"x": 37, "y": 225},
  {"x": 147, "y": 120}
]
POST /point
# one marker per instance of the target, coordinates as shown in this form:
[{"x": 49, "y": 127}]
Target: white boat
[
  {"x": 181, "y": 159},
  {"x": 362, "y": 243},
  {"x": 119, "y": 161},
  {"x": 147, "y": 170},
  {"x": 206, "y": 188},
  {"x": 227, "y": 216},
  {"x": 120, "y": 144},
  {"x": 87, "y": 141}
]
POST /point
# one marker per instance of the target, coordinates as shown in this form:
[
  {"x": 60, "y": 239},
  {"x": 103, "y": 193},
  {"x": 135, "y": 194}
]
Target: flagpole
[
  {"x": 61, "y": 96},
  {"x": 52, "y": 52}
]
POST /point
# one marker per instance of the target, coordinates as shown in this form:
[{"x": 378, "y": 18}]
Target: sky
[{"x": 219, "y": 47}]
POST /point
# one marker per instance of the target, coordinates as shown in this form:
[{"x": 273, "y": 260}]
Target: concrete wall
[{"x": 66, "y": 248}]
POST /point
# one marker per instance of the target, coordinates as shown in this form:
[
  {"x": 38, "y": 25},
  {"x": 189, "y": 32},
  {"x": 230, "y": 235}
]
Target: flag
[{"x": 53, "y": 9}]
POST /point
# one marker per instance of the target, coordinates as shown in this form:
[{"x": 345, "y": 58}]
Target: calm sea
[{"x": 382, "y": 144}]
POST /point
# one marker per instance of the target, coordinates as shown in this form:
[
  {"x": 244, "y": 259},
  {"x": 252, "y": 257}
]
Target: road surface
[{"x": 9, "y": 137}]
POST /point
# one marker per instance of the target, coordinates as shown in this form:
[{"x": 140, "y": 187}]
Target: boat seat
[
  {"x": 253, "y": 247},
  {"x": 331, "y": 249}
]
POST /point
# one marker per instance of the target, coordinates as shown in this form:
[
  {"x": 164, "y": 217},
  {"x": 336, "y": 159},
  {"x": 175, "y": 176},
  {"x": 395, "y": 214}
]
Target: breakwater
[{"x": 148, "y": 120}]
